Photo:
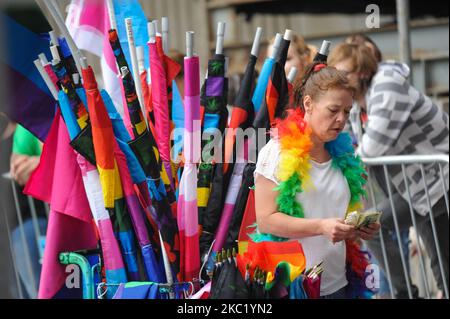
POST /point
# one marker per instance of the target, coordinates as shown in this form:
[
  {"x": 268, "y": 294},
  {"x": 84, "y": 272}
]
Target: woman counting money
[{"x": 307, "y": 178}]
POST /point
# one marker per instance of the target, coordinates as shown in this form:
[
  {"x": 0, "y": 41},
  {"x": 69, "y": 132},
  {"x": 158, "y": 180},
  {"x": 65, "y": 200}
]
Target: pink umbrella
[
  {"x": 160, "y": 105},
  {"x": 187, "y": 200}
]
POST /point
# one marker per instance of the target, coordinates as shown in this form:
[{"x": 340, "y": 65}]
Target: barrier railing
[{"x": 442, "y": 161}]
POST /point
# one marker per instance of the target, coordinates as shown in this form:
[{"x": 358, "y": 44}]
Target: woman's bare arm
[{"x": 271, "y": 221}]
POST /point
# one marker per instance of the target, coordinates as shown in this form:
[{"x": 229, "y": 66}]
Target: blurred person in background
[
  {"x": 300, "y": 54},
  {"x": 399, "y": 120},
  {"x": 355, "y": 126},
  {"x": 26, "y": 151}
]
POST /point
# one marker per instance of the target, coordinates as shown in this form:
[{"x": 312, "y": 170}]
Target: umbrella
[
  {"x": 115, "y": 269},
  {"x": 281, "y": 262},
  {"x": 132, "y": 173},
  {"x": 171, "y": 69},
  {"x": 242, "y": 113},
  {"x": 83, "y": 142},
  {"x": 145, "y": 149},
  {"x": 277, "y": 91},
  {"x": 214, "y": 116},
  {"x": 322, "y": 55},
  {"x": 297, "y": 290},
  {"x": 311, "y": 282},
  {"x": 278, "y": 287},
  {"x": 68, "y": 60},
  {"x": 241, "y": 117},
  {"x": 133, "y": 107},
  {"x": 160, "y": 104},
  {"x": 228, "y": 283},
  {"x": 104, "y": 147},
  {"x": 242, "y": 201},
  {"x": 263, "y": 79},
  {"x": 187, "y": 200}
]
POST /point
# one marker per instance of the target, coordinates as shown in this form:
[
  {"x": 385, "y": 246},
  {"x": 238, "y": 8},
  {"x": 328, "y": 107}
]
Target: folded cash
[{"x": 362, "y": 219}]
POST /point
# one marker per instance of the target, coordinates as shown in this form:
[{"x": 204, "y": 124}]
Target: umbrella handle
[
  {"x": 287, "y": 35},
  {"x": 220, "y": 37},
  {"x": 46, "y": 78},
  {"x": 134, "y": 64},
  {"x": 151, "y": 32},
  {"x": 55, "y": 53},
  {"x": 189, "y": 44},
  {"x": 140, "y": 58},
  {"x": 43, "y": 59},
  {"x": 165, "y": 34},
  {"x": 256, "y": 42},
  {"x": 325, "y": 48},
  {"x": 53, "y": 37},
  {"x": 155, "y": 23},
  {"x": 112, "y": 15},
  {"x": 276, "y": 45},
  {"x": 292, "y": 74}
]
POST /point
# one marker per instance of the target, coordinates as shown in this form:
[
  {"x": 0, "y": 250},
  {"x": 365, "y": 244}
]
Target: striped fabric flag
[{"x": 187, "y": 214}]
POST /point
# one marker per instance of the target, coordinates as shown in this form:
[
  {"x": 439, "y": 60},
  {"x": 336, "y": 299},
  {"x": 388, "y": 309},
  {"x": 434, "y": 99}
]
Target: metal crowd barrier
[
  {"x": 403, "y": 161},
  {"x": 39, "y": 238},
  {"x": 384, "y": 162}
]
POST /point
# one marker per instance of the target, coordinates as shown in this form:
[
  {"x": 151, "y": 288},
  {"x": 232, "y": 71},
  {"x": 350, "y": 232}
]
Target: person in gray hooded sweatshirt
[{"x": 391, "y": 117}]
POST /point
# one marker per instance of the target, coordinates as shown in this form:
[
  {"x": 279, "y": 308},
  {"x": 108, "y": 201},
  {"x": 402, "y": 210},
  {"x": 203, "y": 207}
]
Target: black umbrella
[{"x": 227, "y": 281}]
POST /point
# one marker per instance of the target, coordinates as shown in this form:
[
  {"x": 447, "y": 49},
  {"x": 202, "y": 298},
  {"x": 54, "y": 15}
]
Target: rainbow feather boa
[{"x": 294, "y": 137}]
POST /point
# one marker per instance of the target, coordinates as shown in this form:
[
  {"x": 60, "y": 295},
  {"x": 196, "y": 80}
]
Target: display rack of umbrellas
[{"x": 159, "y": 237}]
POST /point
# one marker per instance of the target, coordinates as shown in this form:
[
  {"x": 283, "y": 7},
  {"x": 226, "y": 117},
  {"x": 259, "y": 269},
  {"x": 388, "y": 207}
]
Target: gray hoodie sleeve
[{"x": 389, "y": 107}]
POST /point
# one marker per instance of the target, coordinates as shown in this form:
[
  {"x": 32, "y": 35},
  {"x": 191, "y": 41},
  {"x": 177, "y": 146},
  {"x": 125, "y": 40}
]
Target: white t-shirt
[{"x": 327, "y": 197}]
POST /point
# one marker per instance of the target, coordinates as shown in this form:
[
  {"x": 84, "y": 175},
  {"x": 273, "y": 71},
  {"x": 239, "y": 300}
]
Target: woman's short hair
[
  {"x": 361, "y": 58},
  {"x": 362, "y": 39}
]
